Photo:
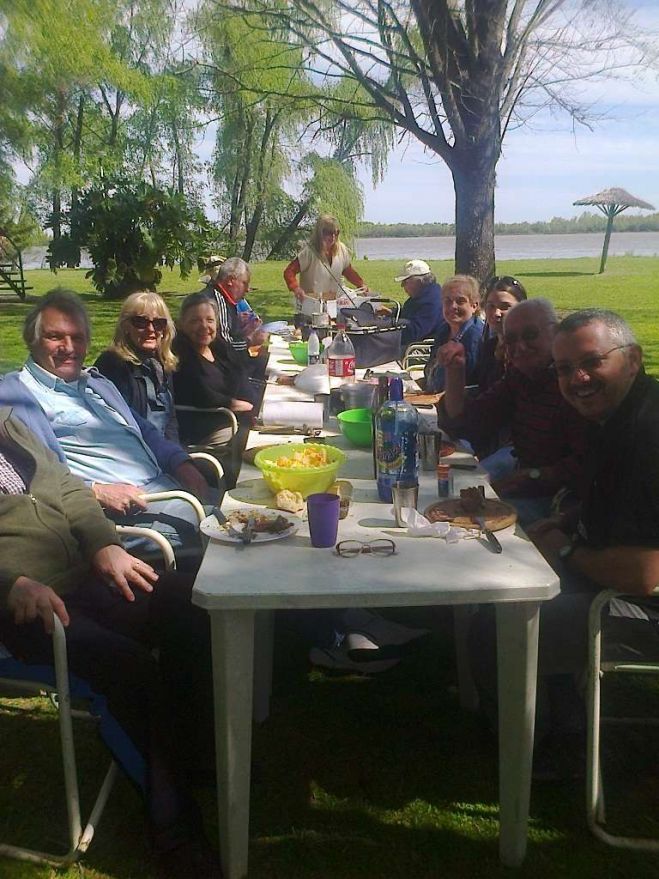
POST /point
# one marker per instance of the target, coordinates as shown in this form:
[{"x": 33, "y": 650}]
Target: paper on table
[
  {"x": 313, "y": 379},
  {"x": 295, "y": 414},
  {"x": 419, "y": 526}
]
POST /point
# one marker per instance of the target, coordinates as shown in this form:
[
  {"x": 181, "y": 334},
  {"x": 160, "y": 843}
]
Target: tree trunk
[
  {"x": 73, "y": 260},
  {"x": 278, "y": 247},
  {"x": 56, "y": 224},
  {"x": 178, "y": 161},
  {"x": 474, "y": 183}
]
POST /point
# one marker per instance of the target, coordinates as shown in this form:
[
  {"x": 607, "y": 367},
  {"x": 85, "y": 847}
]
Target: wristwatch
[{"x": 534, "y": 473}]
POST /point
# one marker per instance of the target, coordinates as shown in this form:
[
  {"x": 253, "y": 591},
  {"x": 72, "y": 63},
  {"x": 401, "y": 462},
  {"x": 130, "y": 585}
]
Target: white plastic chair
[
  {"x": 595, "y": 809},
  {"x": 210, "y": 410},
  {"x": 79, "y": 837},
  {"x": 212, "y": 462}
]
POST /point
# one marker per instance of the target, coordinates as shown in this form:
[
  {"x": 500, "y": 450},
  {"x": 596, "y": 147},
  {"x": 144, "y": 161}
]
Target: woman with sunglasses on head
[
  {"x": 501, "y": 294},
  {"x": 320, "y": 265},
  {"x": 140, "y": 361}
]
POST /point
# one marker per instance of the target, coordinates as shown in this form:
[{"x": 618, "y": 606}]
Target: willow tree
[{"x": 456, "y": 75}]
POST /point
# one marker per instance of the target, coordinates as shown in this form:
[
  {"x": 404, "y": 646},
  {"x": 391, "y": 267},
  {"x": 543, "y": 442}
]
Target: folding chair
[
  {"x": 18, "y": 679},
  {"x": 597, "y": 667},
  {"x": 417, "y": 354},
  {"x": 32, "y": 680}
]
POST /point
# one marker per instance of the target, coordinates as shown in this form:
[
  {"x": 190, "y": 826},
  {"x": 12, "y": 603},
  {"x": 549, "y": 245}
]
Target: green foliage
[{"x": 131, "y": 231}]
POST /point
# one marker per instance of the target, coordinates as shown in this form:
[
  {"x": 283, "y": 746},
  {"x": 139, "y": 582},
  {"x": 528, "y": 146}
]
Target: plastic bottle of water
[
  {"x": 313, "y": 348},
  {"x": 396, "y": 431},
  {"x": 341, "y": 356}
]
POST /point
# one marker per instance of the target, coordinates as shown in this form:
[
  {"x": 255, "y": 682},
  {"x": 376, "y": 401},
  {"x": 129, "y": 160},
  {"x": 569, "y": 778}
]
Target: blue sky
[{"x": 543, "y": 169}]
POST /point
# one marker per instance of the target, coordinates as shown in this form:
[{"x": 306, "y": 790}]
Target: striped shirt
[{"x": 228, "y": 325}]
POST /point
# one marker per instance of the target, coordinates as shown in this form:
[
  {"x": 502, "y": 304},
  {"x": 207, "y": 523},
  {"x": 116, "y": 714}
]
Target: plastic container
[
  {"x": 358, "y": 394},
  {"x": 357, "y": 426},
  {"x": 341, "y": 356},
  {"x": 299, "y": 352},
  {"x": 306, "y": 480},
  {"x": 396, "y": 432},
  {"x": 313, "y": 348}
]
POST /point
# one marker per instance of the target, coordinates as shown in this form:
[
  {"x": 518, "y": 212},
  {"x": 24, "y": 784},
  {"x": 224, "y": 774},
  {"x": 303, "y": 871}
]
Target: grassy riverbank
[{"x": 630, "y": 285}]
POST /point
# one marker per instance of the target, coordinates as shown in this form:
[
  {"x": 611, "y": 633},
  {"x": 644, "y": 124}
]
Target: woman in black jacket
[
  {"x": 206, "y": 378},
  {"x": 140, "y": 361}
]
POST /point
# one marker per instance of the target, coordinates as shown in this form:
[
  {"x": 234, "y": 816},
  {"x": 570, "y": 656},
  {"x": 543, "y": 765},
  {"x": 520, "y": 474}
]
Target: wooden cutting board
[
  {"x": 423, "y": 399},
  {"x": 497, "y": 514}
]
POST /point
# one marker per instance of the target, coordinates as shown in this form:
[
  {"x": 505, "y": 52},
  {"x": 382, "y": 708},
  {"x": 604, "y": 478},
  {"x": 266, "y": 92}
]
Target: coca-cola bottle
[{"x": 341, "y": 356}]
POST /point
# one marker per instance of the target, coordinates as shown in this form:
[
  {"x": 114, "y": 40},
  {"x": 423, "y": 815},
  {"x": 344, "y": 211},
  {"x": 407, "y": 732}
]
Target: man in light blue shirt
[{"x": 83, "y": 418}]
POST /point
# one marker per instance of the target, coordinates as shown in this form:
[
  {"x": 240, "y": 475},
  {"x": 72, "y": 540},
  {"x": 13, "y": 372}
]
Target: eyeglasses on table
[{"x": 381, "y": 546}]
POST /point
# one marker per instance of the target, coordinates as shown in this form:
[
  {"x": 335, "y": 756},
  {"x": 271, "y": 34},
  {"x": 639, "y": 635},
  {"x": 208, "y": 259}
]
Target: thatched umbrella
[{"x": 612, "y": 202}]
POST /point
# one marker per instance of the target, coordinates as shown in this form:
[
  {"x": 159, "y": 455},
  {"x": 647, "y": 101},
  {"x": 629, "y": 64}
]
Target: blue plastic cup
[{"x": 323, "y": 511}]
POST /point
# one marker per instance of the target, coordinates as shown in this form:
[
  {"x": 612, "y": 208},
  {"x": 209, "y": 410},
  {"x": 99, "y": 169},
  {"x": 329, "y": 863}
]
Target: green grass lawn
[
  {"x": 357, "y": 778},
  {"x": 354, "y": 778}
]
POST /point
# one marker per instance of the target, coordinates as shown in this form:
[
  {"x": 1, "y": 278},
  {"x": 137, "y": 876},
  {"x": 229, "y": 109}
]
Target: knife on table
[
  {"x": 233, "y": 532},
  {"x": 247, "y": 534},
  {"x": 491, "y": 539}
]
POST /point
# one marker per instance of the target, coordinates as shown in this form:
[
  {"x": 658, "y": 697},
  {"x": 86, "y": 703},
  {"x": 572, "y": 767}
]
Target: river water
[
  {"x": 516, "y": 246},
  {"x": 507, "y": 247}
]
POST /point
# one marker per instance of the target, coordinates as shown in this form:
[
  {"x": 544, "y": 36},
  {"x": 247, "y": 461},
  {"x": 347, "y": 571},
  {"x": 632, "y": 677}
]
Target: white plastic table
[{"x": 235, "y": 584}]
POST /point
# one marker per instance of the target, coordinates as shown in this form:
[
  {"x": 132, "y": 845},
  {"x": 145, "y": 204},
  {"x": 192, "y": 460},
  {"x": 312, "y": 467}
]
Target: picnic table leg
[
  {"x": 232, "y": 635},
  {"x": 462, "y": 614},
  {"x": 263, "y": 646},
  {"x": 517, "y": 660}
]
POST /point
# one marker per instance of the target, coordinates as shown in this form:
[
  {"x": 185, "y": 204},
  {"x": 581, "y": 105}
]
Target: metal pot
[{"x": 358, "y": 395}]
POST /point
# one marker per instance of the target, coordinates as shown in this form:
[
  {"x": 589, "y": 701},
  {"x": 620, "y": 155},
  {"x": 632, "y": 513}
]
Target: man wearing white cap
[{"x": 421, "y": 314}]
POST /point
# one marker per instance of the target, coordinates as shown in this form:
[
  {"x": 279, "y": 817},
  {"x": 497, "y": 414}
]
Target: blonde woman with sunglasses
[{"x": 140, "y": 361}]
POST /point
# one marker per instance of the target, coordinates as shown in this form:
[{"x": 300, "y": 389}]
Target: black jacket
[{"x": 131, "y": 381}]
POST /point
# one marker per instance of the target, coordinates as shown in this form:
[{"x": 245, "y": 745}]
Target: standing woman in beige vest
[{"x": 320, "y": 266}]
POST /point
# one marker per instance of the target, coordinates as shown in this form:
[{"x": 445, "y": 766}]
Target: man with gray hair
[
  {"x": 611, "y": 541},
  {"x": 234, "y": 334},
  {"x": 85, "y": 421},
  {"x": 548, "y": 435}
]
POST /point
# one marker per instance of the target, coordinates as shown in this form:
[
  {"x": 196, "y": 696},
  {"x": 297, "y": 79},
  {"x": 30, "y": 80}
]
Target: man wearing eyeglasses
[
  {"x": 610, "y": 542},
  {"x": 548, "y": 435},
  {"x": 83, "y": 418},
  {"x": 614, "y": 542}
]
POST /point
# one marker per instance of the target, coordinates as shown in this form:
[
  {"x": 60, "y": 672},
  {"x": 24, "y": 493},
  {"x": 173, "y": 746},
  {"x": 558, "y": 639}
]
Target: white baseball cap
[{"x": 413, "y": 269}]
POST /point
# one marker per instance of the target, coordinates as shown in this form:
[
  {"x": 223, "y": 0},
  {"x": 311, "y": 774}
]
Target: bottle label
[
  {"x": 341, "y": 367},
  {"x": 313, "y": 358},
  {"x": 396, "y": 453}
]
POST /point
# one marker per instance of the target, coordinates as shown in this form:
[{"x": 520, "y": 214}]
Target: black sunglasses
[{"x": 141, "y": 322}]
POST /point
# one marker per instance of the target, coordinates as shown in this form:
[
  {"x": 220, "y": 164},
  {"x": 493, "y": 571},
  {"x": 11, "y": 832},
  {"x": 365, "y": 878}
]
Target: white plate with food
[{"x": 266, "y": 525}]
